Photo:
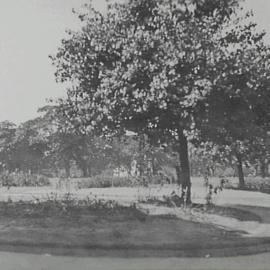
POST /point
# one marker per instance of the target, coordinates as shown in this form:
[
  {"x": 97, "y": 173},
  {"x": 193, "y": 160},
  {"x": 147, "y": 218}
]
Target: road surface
[{"x": 19, "y": 261}]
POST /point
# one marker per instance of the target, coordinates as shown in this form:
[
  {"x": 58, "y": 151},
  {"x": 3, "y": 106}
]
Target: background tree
[
  {"x": 65, "y": 145},
  {"x": 237, "y": 111},
  {"x": 29, "y": 147},
  {"x": 7, "y": 135}
]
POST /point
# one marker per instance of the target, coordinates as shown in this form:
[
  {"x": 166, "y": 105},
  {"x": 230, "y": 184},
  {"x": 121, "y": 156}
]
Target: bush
[
  {"x": 21, "y": 179},
  {"x": 101, "y": 181},
  {"x": 68, "y": 201},
  {"x": 105, "y": 181},
  {"x": 252, "y": 184}
]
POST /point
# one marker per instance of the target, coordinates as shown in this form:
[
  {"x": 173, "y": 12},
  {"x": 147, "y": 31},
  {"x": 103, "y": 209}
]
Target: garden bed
[{"x": 102, "y": 228}]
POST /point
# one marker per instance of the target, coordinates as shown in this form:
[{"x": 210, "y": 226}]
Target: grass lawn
[
  {"x": 121, "y": 231},
  {"x": 263, "y": 213}
]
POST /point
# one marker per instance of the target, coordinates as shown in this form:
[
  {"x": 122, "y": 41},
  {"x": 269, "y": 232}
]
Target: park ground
[
  {"x": 22, "y": 261},
  {"x": 32, "y": 220},
  {"x": 150, "y": 235}
]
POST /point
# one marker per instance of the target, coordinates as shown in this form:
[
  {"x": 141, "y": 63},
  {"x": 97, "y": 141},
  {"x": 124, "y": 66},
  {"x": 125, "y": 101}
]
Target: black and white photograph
[{"x": 134, "y": 134}]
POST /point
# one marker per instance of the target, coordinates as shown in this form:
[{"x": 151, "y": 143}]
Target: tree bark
[
  {"x": 240, "y": 171},
  {"x": 141, "y": 156},
  {"x": 267, "y": 168},
  {"x": 85, "y": 169},
  {"x": 154, "y": 166},
  {"x": 67, "y": 168},
  {"x": 184, "y": 165},
  {"x": 263, "y": 169},
  {"x": 84, "y": 166},
  {"x": 178, "y": 173}
]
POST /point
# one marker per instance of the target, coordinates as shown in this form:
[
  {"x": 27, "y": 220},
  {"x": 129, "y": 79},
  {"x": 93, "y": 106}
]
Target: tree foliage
[{"x": 166, "y": 69}]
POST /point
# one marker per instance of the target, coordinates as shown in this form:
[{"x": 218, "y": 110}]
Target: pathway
[{"x": 19, "y": 261}]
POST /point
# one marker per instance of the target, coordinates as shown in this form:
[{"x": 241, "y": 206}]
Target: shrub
[
  {"x": 21, "y": 179},
  {"x": 55, "y": 204},
  {"x": 252, "y": 184},
  {"x": 104, "y": 181},
  {"x": 101, "y": 181}
]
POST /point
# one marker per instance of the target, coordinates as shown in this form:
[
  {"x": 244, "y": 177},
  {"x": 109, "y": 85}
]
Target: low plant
[
  {"x": 68, "y": 201},
  {"x": 213, "y": 190},
  {"x": 22, "y": 179},
  {"x": 101, "y": 181},
  {"x": 252, "y": 184}
]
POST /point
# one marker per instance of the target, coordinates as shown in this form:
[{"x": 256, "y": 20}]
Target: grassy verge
[
  {"x": 113, "y": 231},
  {"x": 242, "y": 214}
]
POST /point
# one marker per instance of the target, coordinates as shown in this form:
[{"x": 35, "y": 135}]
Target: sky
[{"x": 30, "y": 31}]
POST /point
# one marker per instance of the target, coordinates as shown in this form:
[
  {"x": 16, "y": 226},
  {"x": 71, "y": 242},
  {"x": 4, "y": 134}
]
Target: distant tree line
[{"x": 49, "y": 145}]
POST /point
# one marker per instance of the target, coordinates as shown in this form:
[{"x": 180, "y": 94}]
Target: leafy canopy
[{"x": 147, "y": 66}]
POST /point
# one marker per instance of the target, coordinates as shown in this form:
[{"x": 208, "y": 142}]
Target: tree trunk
[
  {"x": 141, "y": 156},
  {"x": 184, "y": 165},
  {"x": 178, "y": 173},
  {"x": 267, "y": 168},
  {"x": 263, "y": 169},
  {"x": 154, "y": 166},
  {"x": 84, "y": 171},
  {"x": 67, "y": 168},
  {"x": 84, "y": 167},
  {"x": 240, "y": 171}
]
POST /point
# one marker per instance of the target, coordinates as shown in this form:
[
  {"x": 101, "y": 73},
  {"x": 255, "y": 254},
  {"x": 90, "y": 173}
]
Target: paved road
[{"x": 19, "y": 261}]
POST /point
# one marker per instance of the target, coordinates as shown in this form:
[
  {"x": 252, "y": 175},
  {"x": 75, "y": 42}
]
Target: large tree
[
  {"x": 148, "y": 66},
  {"x": 238, "y": 109}
]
